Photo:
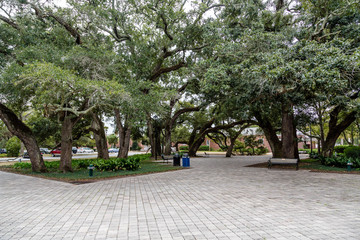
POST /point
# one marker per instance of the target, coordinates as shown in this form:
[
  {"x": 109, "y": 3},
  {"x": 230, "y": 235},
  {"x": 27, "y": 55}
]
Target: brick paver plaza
[{"x": 217, "y": 198}]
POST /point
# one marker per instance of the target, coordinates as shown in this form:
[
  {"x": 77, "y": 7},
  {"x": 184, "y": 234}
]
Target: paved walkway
[{"x": 217, "y": 198}]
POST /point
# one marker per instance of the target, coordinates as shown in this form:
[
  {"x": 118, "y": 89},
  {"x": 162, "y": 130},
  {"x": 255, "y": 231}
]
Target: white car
[{"x": 85, "y": 150}]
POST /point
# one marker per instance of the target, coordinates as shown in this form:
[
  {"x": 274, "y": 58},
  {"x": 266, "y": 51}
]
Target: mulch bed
[{"x": 301, "y": 167}]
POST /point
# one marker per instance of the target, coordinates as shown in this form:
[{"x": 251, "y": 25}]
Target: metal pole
[{"x": 311, "y": 146}]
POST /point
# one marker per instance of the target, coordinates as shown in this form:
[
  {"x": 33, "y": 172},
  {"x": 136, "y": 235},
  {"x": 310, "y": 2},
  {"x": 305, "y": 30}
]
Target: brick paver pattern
[{"x": 217, "y": 198}]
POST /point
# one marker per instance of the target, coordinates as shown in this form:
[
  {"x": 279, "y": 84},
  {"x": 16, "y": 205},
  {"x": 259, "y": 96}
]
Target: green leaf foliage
[{"x": 13, "y": 147}]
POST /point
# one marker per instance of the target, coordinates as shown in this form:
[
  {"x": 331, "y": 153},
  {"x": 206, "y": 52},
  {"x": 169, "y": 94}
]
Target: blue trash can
[{"x": 186, "y": 160}]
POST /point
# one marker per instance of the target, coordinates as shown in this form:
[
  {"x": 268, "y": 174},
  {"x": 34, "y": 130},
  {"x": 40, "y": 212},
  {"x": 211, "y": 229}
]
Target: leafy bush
[
  {"x": 13, "y": 147},
  {"x": 314, "y": 155},
  {"x": 204, "y": 148},
  {"x": 26, "y": 165},
  {"x": 352, "y": 152},
  {"x": 135, "y": 146},
  {"x": 131, "y": 163},
  {"x": 22, "y": 165},
  {"x": 340, "y": 148},
  {"x": 184, "y": 148},
  {"x": 261, "y": 150},
  {"x": 340, "y": 162}
]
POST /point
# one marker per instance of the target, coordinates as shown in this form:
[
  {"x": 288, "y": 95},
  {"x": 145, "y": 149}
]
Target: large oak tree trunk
[
  {"x": 124, "y": 135},
  {"x": 195, "y": 145},
  {"x": 157, "y": 135},
  {"x": 231, "y": 146},
  {"x": 271, "y": 136},
  {"x": 288, "y": 138},
  {"x": 151, "y": 135},
  {"x": 171, "y": 122},
  {"x": 167, "y": 150},
  {"x": 24, "y": 133},
  {"x": 335, "y": 129},
  {"x": 97, "y": 126},
  {"x": 124, "y": 142},
  {"x": 66, "y": 144}
]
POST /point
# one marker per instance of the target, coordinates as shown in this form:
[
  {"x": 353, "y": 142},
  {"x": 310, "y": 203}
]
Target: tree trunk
[
  {"x": 288, "y": 139},
  {"x": 124, "y": 142},
  {"x": 124, "y": 135},
  {"x": 231, "y": 146},
  {"x": 167, "y": 150},
  {"x": 66, "y": 145},
  {"x": 335, "y": 129},
  {"x": 157, "y": 135},
  {"x": 97, "y": 126},
  {"x": 171, "y": 122},
  {"x": 270, "y": 134},
  {"x": 195, "y": 146},
  {"x": 24, "y": 133},
  {"x": 151, "y": 135}
]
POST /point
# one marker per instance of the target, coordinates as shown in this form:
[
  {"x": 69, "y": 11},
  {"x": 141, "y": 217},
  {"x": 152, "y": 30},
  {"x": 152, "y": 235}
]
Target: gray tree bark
[{"x": 24, "y": 133}]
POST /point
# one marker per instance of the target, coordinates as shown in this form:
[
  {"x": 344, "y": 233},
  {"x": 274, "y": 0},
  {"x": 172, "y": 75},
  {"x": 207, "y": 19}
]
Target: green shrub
[
  {"x": 25, "y": 165},
  {"x": 204, "y": 148},
  {"x": 22, "y": 165},
  {"x": 13, "y": 147},
  {"x": 352, "y": 152},
  {"x": 184, "y": 148},
  {"x": 261, "y": 150},
  {"x": 52, "y": 165},
  {"x": 314, "y": 155},
  {"x": 239, "y": 147},
  {"x": 340, "y": 162},
  {"x": 131, "y": 163},
  {"x": 135, "y": 146},
  {"x": 341, "y": 148}
]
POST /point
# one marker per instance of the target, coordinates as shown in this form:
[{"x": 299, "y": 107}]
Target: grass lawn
[
  {"x": 82, "y": 175},
  {"x": 313, "y": 165}
]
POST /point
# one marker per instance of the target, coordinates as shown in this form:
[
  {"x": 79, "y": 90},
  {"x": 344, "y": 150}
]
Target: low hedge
[
  {"x": 352, "y": 152},
  {"x": 204, "y": 148},
  {"x": 184, "y": 148},
  {"x": 341, "y": 148},
  {"x": 340, "y": 161},
  {"x": 131, "y": 163}
]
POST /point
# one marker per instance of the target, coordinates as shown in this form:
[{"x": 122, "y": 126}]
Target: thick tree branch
[
  {"x": 182, "y": 111},
  {"x": 40, "y": 14},
  {"x": 10, "y": 22},
  {"x": 166, "y": 27},
  {"x": 161, "y": 71},
  {"x": 183, "y": 87}
]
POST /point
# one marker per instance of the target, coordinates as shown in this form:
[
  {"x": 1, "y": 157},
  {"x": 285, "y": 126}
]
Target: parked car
[
  {"x": 2, "y": 150},
  {"x": 26, "y": 154},
  {"x": 44, "y": 150},
  {"x": 56, "y": 152},
  {"x": 74, "y": 150},
  {"x": 113, "y": 150},
  {"x": 85, "y": 150}
]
